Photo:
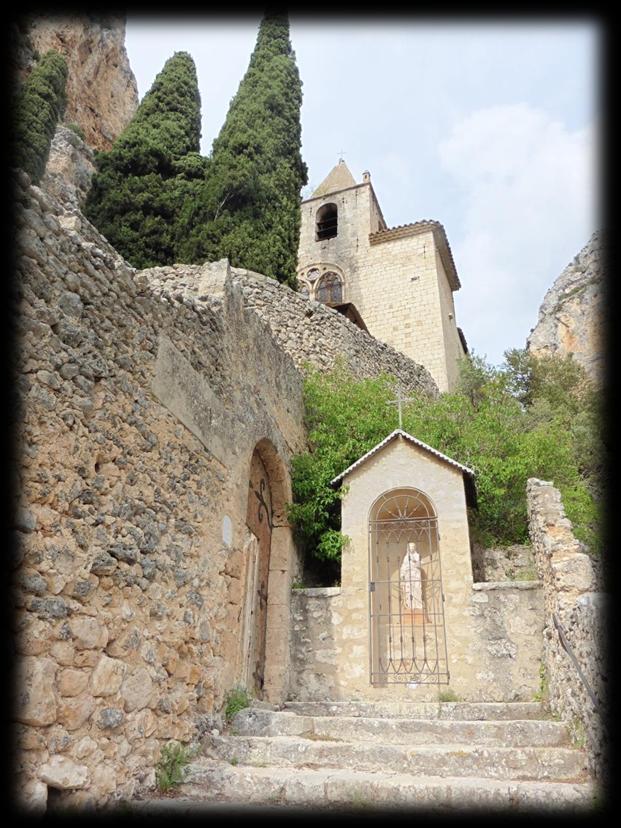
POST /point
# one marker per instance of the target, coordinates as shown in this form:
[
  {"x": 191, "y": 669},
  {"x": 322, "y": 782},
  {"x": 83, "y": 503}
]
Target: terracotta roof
[
  {"x": 439, "y": 235},
  {"x": 339, "y": 178},
  {"x": 398, "y": 432}
]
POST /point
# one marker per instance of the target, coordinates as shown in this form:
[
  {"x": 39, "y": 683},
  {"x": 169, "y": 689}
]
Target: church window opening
[
  {"x": 304, "y": 289},
  {"x": 406, "y": 600},
  {"x": 327, "y": 222},
  {"x": 330, "y": 289}
]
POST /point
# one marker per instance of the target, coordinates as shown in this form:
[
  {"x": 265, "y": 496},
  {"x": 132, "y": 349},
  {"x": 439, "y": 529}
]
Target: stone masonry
[
  {"x": 569, "y": 584},
  {"x": 140, "y": 414},
  {"x": 401, "y": 279},
  {"x": 311, "y": 333}
]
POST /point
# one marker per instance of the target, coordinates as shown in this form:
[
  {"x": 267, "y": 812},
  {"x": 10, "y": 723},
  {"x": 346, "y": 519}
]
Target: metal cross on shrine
[
  {"x": 399, "y": 403},
  {"x": 341, "y": 155}
]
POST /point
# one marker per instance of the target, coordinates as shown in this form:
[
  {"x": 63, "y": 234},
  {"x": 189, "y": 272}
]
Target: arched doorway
[
  {"x": 406, "y": 600},
  {"x": 260, "y": 522},
  {"x": 268, "y": 553}
]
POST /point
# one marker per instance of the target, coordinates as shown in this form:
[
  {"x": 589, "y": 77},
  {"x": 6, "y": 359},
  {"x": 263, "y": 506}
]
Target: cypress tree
[
  {"x": 39, "y": 105},
  {"x": 249, "y": 207},
  {"x": 141, "y": 183}
]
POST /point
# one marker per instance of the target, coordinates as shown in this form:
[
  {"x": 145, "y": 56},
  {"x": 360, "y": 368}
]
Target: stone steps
[
  {"x": 535, "y": 763},
  {"x": 339, "y": 787},
  {"x": 364, "y": 755},
  {"x": 404, "y": 731},
  {"x": 470, "y": 711}
]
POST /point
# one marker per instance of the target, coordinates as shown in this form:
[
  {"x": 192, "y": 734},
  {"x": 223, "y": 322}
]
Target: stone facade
[
  {"x": 569, "y": 583},
  {"x": 141, "y": 411},
  {"x": 493, "y": 630},
  {"x": 401, "y": 280}
]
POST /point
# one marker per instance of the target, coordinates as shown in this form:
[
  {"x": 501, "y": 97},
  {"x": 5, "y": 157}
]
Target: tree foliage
[
  {"x": 529, "y": 418},
  {"x": 142, "y": 183},
  {"x": 39, "y": 105},
  {"x": 248, "y": 209}
]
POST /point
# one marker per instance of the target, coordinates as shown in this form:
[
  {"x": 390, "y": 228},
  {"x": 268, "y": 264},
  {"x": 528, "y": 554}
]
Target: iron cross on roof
[
  {"x": 341, "y": 155},
  {"x": 399, "y": 403}
]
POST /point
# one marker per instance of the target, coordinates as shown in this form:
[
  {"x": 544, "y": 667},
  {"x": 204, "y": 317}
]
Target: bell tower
[{"x": 398, "y": 281}]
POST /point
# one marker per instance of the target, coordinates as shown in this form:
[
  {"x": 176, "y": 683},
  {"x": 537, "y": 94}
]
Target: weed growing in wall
[
  {"x": 236, "y": 700},
  {"x": 170, "y": 769}
]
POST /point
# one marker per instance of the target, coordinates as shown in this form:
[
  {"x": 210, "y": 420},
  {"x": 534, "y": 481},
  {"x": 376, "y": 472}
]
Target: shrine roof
[{"x": 398, "y": 432}]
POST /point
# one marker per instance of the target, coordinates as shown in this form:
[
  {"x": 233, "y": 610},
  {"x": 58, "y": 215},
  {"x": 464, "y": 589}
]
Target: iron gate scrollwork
[{"x": 406, "y": 600}]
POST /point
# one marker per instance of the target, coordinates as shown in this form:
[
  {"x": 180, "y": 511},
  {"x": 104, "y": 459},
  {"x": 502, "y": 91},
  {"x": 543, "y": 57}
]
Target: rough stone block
[
  {"x": 62, "y": 773},
  {"x": 36, "y": 696}
]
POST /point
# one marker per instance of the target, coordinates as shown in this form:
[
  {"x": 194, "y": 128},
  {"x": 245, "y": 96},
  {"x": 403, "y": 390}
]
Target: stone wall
[
  {"x": 507, "y": 621},
  {"x": 568, "y": 583},
  {"x": 140, "y": 414},
  {"x": 310, "y": 332}
]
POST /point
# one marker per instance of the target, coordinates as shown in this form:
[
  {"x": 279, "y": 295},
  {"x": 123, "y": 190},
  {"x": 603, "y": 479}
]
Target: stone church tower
[{"x": 396, "y": 282}]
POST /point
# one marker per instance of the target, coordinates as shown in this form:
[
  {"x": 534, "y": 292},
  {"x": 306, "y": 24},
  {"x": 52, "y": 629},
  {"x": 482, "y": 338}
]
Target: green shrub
[
  {"x": 236, "y": 700},
  {"x": 77, "y": 129},
  {"x": 448, "y": 695},
  {"x": 492, "y": 424},
  {"x": 170, "y": 769},
  {"x": 39, "y": 105}
]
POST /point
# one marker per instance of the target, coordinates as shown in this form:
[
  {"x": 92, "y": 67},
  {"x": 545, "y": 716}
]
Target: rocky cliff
[
  {"x": 571, "y": 315},
  {"x": 102, "y": 95}
]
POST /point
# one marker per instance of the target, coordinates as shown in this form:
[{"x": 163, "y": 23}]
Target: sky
[{"x": 489, "y": 127}]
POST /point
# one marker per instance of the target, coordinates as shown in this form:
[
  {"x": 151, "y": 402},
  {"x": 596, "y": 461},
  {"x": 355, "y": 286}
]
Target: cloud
[{"x": 529, "y": 195}]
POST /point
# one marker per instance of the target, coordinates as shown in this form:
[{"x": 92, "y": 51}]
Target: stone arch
[
  {"x": 326, "y": 222},
  {"x": 406, "y": 608},
  {"x": 313, "y": 275},
  {"x": 268, "y": 564},
  {"x": 329, "y": 289}
]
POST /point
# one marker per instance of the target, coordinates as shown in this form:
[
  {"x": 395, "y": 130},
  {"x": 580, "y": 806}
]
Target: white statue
[{"x": 411, "y": 579}]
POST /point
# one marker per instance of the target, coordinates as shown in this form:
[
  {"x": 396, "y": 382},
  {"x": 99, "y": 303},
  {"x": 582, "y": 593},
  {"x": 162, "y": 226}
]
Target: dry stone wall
[
  {"x": 311, "y": 332},
  {"x": 140, "y": 414},
  {"x": 569, "y": 583}
]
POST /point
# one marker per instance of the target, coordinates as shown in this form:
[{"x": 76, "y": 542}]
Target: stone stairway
[{"x": 440, "y": 756}]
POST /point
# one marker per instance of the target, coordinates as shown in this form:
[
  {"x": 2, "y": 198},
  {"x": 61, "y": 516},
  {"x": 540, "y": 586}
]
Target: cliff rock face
[
  {"x": 69, "y": 168},
  {"x": 571, "y": 316},
  {"x": 102, "y": 95}
]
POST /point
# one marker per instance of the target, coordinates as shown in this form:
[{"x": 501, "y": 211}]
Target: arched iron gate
[{"x": 406, "y": 600}]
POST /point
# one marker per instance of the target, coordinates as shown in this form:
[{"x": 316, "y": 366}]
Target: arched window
[
  {"x": 327, "y": 222},
  {"x": 304, "y": 289},
  {"x": 329, "y": 289}
]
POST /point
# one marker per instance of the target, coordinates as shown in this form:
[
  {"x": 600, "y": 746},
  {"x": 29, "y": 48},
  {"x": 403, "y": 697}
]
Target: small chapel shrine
[{"x": 406, "y": 578}]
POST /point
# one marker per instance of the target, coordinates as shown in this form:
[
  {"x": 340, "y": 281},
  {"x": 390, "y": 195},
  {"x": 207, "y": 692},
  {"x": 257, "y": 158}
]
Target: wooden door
[{"x": 259, "y": 521}]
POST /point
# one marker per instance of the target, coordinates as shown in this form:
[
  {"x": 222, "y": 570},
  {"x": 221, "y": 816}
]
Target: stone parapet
[{"x": 568, "y": 582}]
